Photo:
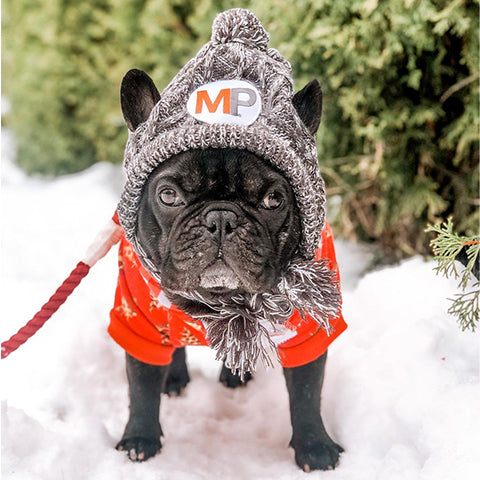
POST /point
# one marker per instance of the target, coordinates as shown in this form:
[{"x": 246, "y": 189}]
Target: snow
[{"x": 401, "y": 392}]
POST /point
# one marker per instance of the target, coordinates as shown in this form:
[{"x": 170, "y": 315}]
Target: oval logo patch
[{"x": 225, "y": 101}]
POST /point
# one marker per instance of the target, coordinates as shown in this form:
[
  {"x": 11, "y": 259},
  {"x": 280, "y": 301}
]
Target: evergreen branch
[
  {"x": 448, "y": 245},
  {"x": 448, "y": 248},
  {"x": 472, "y": 248},
  {"x": 465, "y": 307},
  {"x": 459, "y": 85}
]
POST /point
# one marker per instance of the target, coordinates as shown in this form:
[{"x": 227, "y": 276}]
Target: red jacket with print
[{"x": 149, "y": 327}]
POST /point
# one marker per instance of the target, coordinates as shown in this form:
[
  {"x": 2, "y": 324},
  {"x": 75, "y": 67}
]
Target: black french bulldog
[{"x": 219, "y": 221}]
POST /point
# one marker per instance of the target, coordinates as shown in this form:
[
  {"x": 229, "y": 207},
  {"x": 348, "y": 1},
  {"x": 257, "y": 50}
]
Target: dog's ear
[
  {"x": 308, "y": 104},
  {"x": 138, "y": 95}
]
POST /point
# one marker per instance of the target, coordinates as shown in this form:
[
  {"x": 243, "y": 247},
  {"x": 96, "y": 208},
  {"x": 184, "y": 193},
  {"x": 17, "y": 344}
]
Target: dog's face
[{"x": 218, "y": 221}]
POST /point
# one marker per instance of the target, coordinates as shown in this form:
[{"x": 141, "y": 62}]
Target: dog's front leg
[
  {"x": 141, "y": 438},
  {"x": 314, "y": 449}
]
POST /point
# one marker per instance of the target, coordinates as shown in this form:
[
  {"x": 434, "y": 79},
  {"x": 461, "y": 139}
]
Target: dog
[{"x": 216, "y": 229}]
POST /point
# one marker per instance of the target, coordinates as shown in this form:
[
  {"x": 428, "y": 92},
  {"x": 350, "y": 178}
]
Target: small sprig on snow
[{"x": 449, "y": 247}]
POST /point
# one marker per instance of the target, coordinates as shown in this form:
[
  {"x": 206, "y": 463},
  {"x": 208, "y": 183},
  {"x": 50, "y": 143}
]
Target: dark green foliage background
[{"x": 398, "y": 144}]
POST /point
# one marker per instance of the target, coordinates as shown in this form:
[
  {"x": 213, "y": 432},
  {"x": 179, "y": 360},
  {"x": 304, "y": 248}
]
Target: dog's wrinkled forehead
[{"x": 224, "y": 173}]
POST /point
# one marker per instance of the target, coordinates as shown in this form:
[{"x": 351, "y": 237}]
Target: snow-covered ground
[{"x": 402, "y": 390}]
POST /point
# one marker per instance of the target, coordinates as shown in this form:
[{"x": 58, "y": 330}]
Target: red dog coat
[{"x": 149, "y": 327}]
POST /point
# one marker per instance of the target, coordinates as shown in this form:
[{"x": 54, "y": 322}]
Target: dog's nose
[{"x": 221, "y": 223}]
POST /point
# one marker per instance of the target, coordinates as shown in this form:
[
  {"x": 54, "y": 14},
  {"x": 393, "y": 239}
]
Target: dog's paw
[
  {"x": 139, "y": 449},
  {"x": 231, "y": 380},
  {"x": 316, "y": 454},
  {"x": 176, "y": 383}
]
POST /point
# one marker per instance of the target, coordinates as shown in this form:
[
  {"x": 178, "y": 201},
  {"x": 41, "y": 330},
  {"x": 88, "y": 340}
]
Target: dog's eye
[
  {"x": 169, "y": 196},
  {"x": 272, "y": 201}
]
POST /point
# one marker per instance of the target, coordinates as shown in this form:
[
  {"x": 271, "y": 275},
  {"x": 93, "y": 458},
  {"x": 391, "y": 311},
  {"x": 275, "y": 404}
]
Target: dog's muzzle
[{"x": 220, "y": 219}]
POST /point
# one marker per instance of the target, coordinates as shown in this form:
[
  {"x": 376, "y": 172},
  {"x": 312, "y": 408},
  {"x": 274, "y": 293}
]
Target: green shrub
[
  {"x": 398, "y": 144},
  {"x": 399, "y": 138}
]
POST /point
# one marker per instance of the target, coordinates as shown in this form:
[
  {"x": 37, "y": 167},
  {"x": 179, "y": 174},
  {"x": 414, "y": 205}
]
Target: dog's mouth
[{"x": 219, "y": 278}]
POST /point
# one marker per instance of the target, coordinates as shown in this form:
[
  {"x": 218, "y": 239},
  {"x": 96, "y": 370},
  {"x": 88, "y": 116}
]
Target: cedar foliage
[
  {"x": 398, "y": 144},
  {"x": 451, "y": 250}
]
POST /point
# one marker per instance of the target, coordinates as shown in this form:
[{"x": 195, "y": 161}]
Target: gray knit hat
[{"x": 236, "y": 93}]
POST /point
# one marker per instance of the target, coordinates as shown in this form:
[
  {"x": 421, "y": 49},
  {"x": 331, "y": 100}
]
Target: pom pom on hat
[{"x": 239, "y": 25}]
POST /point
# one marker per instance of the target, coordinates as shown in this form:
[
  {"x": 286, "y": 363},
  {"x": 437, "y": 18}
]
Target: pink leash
[{"x": 104, "y": 241}]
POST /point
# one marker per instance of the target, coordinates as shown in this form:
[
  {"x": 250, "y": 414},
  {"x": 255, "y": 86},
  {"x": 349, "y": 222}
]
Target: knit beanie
[{"x": 236, "y": 93}]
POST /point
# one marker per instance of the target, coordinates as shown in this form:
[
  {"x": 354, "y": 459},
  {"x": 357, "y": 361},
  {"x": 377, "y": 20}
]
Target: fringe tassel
[{"x": 234, "y": 328}]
